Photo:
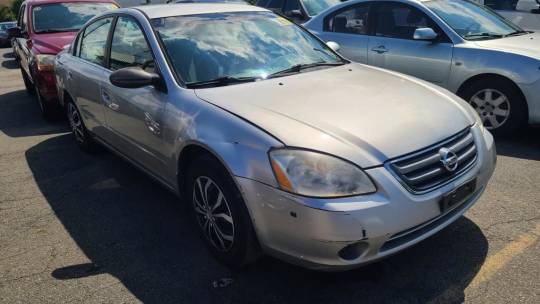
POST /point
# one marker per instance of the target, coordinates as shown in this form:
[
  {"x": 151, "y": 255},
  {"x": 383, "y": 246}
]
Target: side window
[
  {"x": 395, "y": 20},
  {"x": 129, "y": 47},
  {"x": 291, "y": 5},
  {"x": 94, "y": 41},
  {"x": 276, "y": 5},
  {"x": 502, "y": 5},
  {"x": 353, "y": 20},
  {"x": 21, "y": 22}
]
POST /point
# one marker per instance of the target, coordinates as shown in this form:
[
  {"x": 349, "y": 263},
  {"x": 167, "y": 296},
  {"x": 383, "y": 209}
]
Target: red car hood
[{"x": 52, "y": 43}]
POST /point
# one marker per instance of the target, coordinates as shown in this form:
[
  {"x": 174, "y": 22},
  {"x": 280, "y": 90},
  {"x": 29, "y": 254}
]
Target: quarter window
[
  {"x": 351, "y": 21},
  {"x": 129, "y": 47},
  {"x": 399, "y": 21},
  {"x": 94, "y": 41}
]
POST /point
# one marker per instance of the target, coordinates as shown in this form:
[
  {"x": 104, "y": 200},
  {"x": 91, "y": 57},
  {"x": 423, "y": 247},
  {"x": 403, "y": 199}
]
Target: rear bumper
[{"x": 349, "y": 232}]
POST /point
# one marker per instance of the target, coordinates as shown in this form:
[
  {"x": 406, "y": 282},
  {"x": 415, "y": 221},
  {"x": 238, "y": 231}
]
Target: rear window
[{"x": 65, "y": 17}]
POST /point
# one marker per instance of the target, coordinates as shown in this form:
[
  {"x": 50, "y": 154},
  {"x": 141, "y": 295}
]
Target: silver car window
[
  {"x": 239, "y": 44},
  {"x": 94, "y": 40},
  {"x": 353, "y": 20},
  {"x": 129, "y": 47}
]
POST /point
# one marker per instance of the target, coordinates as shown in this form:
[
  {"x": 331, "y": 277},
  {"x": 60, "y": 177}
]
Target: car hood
[
  {"x": 361, "y": 113},
  {"x": 52, "y": 43},
  {"x": 525, "y": 45}
]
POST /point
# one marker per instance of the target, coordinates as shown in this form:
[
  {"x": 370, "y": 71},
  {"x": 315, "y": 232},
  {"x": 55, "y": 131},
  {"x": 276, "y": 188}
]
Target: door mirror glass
[
  {"x": 132, "y": 78},
  {"x": 425, "y": 33},
  {"x": 14, "y": 32},
  {"x": 333, "y": 45}
]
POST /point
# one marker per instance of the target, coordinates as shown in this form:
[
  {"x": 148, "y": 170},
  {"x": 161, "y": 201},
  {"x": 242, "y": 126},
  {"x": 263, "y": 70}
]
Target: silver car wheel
[
  {"x": 492, "y": 106},
  {"x": 75, "y": 123},
  {"x": 213, "y": 213}
]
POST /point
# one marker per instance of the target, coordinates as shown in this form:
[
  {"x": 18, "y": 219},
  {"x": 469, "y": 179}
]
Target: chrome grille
[{"x": 424, "y": 171}]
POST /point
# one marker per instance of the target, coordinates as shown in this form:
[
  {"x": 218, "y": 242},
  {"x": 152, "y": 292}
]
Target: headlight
[
  {"x": 318, "y": 175},
  {"x": 45, "y": 62}
]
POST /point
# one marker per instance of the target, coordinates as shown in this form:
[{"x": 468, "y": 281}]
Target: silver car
[
  {"x": 459, "y": 45},
  {"x": 279, "y": 144}
]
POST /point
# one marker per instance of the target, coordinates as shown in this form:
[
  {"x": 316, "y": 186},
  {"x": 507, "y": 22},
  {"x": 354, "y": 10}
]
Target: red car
[{"x": 44, "y": 28}]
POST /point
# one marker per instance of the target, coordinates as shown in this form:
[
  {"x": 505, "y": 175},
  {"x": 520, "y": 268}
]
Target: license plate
[{"x": 457, "y": 196}]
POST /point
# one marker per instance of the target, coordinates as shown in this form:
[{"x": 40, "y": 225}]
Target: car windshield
[
  {"x": 239, "y": 45},
  {"x": 65, "y": 17},
  {"x": 314, "y": 7},
  {"x": 472, "y": 21}
]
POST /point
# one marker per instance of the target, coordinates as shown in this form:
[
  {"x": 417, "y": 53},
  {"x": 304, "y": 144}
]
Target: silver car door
[
  {"x": 349, "y": 28},
  {"x": 393, "y": 47},
  {"x": 134, "y": 115},
  {"x": 86, "y": 71}
]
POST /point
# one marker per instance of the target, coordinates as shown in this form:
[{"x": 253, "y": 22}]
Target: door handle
[
  {"x": 107, "y": 100},
  {"x": 380, "y": 49}
]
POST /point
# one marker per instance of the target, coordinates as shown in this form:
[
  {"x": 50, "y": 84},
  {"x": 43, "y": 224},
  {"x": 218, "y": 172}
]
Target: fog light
[{"x": 353, "y": 251}]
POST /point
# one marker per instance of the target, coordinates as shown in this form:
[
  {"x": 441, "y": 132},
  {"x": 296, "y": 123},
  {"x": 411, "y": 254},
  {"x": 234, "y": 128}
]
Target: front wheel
[
  {"x": 221, "y": 214},
  {"x": 499, "y": 104}
]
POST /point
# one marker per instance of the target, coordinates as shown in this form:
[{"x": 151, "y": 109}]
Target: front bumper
[{"x": 344, "y": 233}]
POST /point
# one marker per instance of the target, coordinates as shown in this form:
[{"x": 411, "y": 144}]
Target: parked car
[
  {"x": 209, "y": 1},
  {"x": 459, "y": 45},
  {"x": 524, "y": 13},
  {"x": 280, "y": 145},
  {"x": 299, "y": 11},
  {"x": 43, "y": 28},
  {"x": 5, "y": 38}
]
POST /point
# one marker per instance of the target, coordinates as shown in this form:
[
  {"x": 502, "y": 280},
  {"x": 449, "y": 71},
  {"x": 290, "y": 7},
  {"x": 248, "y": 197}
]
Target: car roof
[
  {"x": 38, "y": 2},
  {"x": 183, "y": 9}
]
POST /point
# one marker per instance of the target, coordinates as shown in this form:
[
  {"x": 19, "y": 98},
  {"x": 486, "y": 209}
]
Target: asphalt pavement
[{"x": 87, "y": 228}]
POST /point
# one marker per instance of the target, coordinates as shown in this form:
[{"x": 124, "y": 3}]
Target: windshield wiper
[
  {"x": 49, "y": 31},
  {"x": 516, "y": 33},
  {"x": 220, "y": 81},
  {"x": 299, "y": 67},
  {"x": 484, "y": 35}
]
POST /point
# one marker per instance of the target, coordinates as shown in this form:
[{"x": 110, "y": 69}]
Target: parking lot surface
[{"x": 91, "y": 228}]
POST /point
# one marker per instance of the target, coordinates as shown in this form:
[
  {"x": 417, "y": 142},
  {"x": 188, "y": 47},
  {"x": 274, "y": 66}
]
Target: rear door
[
  {"x": 349, "y": 28},
  {"x": 393, "y": 47},
  {"x": 134, "y": 115},
  {"x": 87, "y": 72}
]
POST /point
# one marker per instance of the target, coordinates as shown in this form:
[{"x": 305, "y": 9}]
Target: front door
[
  {"x": 393, "y": 47},
  {"x": 349, "y": 28},
  {"x": 134, "y": 115}
]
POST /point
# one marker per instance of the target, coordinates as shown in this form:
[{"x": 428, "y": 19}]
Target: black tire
[
  {"x": 82, "y": 136},
  {"x": 518, "y": 111},
  {"x": 48, "y": 112},
  {"x": 28, "y": 85},
  {"x": 244, "y": 248}
]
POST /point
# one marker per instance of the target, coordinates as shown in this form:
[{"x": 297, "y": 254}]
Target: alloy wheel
[
  {"x": 76, "y": 123},
  {"x": 492, "y": 106},
  {"x": 213, "y": 213}
]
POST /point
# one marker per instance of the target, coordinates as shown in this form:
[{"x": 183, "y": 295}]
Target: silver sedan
[
  {"x": 280, "y": 145},
  {"x": 459, "y": 45}
]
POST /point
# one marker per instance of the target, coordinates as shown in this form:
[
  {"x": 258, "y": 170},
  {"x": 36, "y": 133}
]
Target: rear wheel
[
  {"x": 48, "y": 112},
  {"x": 82, "y": 136},
  {"x": 221, "y": 214},
  {"x": 499, "y": 104}
]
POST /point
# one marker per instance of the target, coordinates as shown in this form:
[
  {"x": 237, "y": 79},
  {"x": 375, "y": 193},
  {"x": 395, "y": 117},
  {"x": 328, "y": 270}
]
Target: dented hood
[{"x": 361, "y": 113}]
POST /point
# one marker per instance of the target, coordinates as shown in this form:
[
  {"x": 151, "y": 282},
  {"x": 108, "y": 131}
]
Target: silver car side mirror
[
  {"x": 425, "y": 33},
  {"x": 333, "y": 45}
]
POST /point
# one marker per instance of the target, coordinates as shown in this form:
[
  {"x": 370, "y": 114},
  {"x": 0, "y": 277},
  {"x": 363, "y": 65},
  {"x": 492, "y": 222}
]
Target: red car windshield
[{"x": 65, "y": 17}]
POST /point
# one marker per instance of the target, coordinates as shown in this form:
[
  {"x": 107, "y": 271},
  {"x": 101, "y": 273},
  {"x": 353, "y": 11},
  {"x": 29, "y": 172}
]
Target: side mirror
[
  {"x": 295, "y": 14},
  {"x": 14, "y": 32},
  {"x": 132, "y": 78},
  {"x": 333, "y": 45},
  {"x": 425, "y": 33}
]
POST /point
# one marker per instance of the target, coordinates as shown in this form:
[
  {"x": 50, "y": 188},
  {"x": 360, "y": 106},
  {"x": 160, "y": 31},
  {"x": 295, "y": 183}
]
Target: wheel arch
[{"x": 487, "y": 76}]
